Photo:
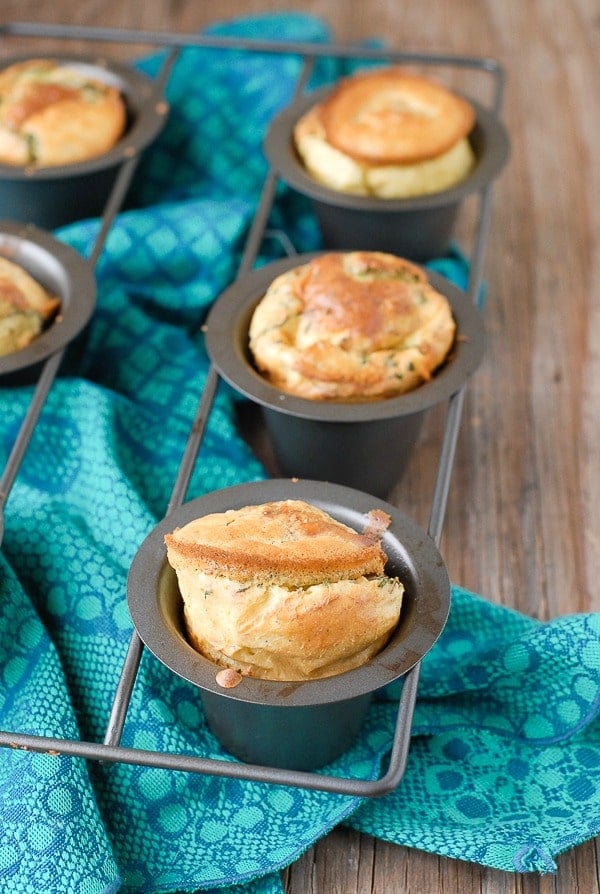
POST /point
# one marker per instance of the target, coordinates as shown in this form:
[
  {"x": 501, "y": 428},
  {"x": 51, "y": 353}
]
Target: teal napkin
[{"x": 504, "y": 765}]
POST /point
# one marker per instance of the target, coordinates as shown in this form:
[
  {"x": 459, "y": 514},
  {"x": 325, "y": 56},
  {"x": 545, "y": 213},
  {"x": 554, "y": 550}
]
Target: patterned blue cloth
[{"x": 504, "y": 767}]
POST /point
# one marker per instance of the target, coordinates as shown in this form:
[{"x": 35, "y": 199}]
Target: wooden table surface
[{"x": 522, "y": 517}]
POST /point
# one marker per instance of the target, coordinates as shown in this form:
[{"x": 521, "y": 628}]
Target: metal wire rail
[{"x": 110, "y": 750}]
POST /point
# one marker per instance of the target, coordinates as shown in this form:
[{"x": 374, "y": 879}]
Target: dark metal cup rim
[
  {"x": 412, "y": 555},
  {"x": 227, "y": 345},
  {"x": 148, "y": 118},
  {"x": 489, "y": 131},
  {"x": 42, "y": 255}
]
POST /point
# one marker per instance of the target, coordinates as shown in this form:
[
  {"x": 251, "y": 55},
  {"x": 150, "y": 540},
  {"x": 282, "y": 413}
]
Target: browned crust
[
  {"x": 21, "y": 292},
  {"x": 361, "y": 297},
  {"x": 287, "y": 541},
  {"x": 50, "y": 114},
  {"x": 390, "y": 116},
  {"x": 351, "y": 326}
]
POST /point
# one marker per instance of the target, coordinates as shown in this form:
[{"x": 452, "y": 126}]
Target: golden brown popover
[
  {"x": 56, "y": 114},
  {"x": 351, "y": 326},
  {"x": 25, "y": 307},
  {"x": 283, "y": 591},
  {"x": 387, "y": 133}
]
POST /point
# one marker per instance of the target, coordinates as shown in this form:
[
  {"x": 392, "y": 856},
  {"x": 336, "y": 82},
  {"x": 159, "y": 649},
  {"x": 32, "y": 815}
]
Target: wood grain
[{"x": 522, "y": 519}]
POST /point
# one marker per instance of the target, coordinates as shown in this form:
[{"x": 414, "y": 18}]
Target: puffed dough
[
  {"x": 283, "y": 591},
  {"x": 25, "y": 307},
  {"x": 388, "y": 134},
  {"x": 53, "y": 114},
  {"x": 351, "y": 326}
]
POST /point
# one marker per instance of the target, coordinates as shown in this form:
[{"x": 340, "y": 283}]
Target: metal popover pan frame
[
  {"x": 52, "y": 196},
  {"x": 227, "y": 326},
  {"x": 110, "y": 749},
  {"x": 301, "y": 724},
  {"x": 419, "y": 227},
  {"x": 321, "y": 439},
  {"x": 65, "y": 274}
]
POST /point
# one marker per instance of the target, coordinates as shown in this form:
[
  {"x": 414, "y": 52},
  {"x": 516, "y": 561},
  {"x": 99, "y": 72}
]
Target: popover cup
[
  {"x": 65, "y": 275},
  {"x": 301, "y": 725},
  {"x": 420, "y": 227},
  {"x": 365, "y": 445},
  {"x": 52, "y": 196}
]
